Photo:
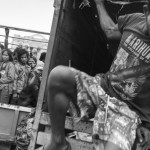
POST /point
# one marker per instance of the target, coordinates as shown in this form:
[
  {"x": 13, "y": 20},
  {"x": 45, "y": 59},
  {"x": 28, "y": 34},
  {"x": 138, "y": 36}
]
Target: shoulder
[
  {"x": 129, "y": 20},
  {"x": 130, "y": 17},
  {"x": 11, "y": 64}
]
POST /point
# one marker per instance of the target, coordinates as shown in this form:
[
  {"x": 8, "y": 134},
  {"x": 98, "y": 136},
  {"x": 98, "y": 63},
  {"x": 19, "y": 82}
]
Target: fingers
[
  {"x": 139, "y": 134},
  {"x": 144, "y": 136}
]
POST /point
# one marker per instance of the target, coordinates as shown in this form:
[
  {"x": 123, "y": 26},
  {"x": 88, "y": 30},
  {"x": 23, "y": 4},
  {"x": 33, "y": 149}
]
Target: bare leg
[{"x": 61, "y": 89}]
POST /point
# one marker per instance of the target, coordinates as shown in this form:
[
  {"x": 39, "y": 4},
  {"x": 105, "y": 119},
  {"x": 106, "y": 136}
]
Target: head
[
  {"x": 34, "y": 52},
  {"x": 147, "y": 13},
  {"x": 32, "y": 62},
  {"x": 23, "y": 56},
  {"x": 7, "y": 55}
]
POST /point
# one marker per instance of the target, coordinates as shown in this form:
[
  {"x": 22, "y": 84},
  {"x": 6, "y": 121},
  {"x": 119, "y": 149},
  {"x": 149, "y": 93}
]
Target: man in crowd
[{"x": 119, "y": 100}]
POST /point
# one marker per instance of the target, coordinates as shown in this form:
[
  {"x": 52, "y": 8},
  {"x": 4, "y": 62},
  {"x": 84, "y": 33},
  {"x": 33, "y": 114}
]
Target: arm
[
  {"x": 18, "y": 82},
  {"x": 108, "y": 26}
]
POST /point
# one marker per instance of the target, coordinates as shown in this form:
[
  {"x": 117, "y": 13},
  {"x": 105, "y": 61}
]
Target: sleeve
[
  {"x": 10, "y": 71},
  {"x": 127, "y": 20},
  {"x": 122, "y": 21}
]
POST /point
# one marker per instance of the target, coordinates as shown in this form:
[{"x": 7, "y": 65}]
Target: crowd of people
[{"x": 20, "y": 76}]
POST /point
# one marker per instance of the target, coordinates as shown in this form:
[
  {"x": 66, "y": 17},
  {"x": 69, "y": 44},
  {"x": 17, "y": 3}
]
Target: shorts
[{"x": 114, "y": 121}]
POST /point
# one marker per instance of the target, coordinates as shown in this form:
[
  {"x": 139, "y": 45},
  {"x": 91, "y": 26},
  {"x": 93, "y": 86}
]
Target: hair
[
  {"x": 21, "y": 52},
  {"x": 9, "y": 54},
  {"x": 1, "y": 46},
  {"x": 42, "y": 57}
]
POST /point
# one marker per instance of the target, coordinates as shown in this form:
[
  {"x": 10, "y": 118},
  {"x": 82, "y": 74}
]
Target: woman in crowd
[
  {"x": 1, "y": 48},
  {"x": 22, "y": 71},
  {"x": 28, "y": 96},
  {"x": 7, "y": 73},
  {"x": 32, "y": 63}
]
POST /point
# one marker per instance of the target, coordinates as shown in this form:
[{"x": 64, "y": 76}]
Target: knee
[{"x": 61, "y": 77}]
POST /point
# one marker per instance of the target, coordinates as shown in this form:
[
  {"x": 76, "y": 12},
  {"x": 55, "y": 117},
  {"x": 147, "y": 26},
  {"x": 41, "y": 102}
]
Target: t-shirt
[{"x": 133, "y": 63}]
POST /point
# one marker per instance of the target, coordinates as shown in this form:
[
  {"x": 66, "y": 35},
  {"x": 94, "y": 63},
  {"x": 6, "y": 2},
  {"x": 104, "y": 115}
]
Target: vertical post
[
  {"x": 6, "y": 37},
  {"x": 45, "y": 75}
]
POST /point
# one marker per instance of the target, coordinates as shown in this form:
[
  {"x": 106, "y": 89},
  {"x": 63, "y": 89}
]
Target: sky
[{"x": 27, "y": 14}]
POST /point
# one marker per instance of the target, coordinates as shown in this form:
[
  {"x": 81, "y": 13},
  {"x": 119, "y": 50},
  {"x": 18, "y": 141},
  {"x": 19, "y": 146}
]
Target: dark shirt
[{"x": 132, "y": 64}]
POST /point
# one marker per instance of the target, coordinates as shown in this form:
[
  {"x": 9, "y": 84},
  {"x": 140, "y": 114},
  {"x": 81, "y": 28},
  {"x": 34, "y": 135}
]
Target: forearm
[
  {"x": 107, "y": 24},
  {"x": 6, "y": 80},
  {"x": 19, "y": 86},
  {"x": 105, "y": 21},
  {"x": 132, "y": 72}
]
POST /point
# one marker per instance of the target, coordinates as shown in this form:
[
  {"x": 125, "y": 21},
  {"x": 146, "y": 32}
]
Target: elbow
[{"x": 112, "y": 35}]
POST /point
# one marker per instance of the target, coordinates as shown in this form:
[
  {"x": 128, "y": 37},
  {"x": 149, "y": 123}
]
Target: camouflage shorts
[{"x": 114, "y": 121}]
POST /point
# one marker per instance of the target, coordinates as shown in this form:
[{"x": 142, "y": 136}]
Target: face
[
  {"x": 32, "y": 63},
  {"x": 24, "y": 59},
  {"x": 5, "y": 56}
]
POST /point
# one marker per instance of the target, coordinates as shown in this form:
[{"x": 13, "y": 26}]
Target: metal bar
[
  {"x": 24, "y": 39},
  {"x": 18, "y": 45},
  {"x": 25, "y": 30}
]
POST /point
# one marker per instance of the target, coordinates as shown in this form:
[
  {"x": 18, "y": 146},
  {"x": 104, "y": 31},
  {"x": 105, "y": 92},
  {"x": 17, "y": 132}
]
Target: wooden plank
[
  {"x": 14, "y": 107},
  {"x": 7, "y": 138},
  {"x": 10, "y": 115},
  {"x": 82, "y": 126},
  {"x": 45, "y": 76},
  {"x": 14, "y": 124},
  {"x": 43, "y": 138}
]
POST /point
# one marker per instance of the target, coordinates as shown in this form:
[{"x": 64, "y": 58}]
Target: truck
[{"x": 76, "y": 40}]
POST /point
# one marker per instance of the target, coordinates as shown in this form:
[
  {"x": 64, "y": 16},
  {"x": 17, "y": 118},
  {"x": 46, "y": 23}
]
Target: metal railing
[{"x": 26, "y": 40}]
